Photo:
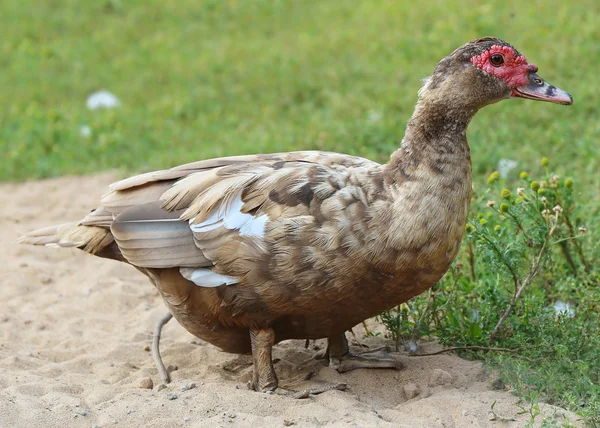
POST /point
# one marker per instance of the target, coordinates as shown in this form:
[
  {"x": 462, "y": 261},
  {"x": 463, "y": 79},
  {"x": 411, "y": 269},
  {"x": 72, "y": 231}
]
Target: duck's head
[{"x": 486, "y": 71}]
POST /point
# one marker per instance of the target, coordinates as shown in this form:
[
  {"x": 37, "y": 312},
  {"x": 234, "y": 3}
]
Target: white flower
[
  {"x": 564, "y": 309},
  {"x": 505, "y": 166},
  {"x": 85, "y": 131},
  {"x": 102, "y": 99},
  {"x": 374, "y": 116}
]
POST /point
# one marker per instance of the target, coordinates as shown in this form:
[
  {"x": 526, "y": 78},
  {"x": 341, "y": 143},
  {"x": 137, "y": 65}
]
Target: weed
[{"x": 524, "y": 280}]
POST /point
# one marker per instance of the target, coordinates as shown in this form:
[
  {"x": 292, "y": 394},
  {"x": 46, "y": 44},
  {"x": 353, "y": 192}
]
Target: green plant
[{"x": 524, "y": 280}]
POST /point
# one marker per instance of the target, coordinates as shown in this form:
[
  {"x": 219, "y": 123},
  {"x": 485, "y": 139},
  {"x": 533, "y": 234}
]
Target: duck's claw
[
  {"x": 288, "y": 391},
  {"x": 351, "y": 361},
  {"x": 341, "y": 359}
]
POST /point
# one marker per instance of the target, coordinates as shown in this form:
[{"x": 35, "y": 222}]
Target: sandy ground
[{"x": 74, "y": 328}]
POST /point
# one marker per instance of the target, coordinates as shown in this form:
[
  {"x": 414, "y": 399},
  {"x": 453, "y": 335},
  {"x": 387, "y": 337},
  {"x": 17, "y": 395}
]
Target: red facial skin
[{"x": 514, "y": 71}]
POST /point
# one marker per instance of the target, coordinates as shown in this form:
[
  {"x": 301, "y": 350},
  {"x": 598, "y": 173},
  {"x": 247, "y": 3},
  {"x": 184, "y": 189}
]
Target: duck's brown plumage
[{"x": 301, "y": 244}]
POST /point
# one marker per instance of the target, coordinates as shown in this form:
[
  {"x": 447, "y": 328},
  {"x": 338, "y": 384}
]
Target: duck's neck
[
  {"x": 428, "y": 180},
  {"x": 434, "y": 146}
]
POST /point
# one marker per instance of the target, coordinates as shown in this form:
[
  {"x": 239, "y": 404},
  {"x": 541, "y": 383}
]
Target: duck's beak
[{"x": 538, "y": 89}]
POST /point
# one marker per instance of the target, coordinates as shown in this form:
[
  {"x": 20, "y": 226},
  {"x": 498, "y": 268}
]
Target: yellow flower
[
  {"x": 506, "y": 194},
  {"x": 494, "y": 176}
]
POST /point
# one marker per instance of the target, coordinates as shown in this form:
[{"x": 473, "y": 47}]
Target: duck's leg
[
  {"x": 343, "y": 360},
  {"x": 264, "y": 378}
]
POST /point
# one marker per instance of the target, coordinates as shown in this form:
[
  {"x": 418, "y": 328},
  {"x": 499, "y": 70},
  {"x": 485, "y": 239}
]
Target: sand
[{"x": 75, "y": 329}]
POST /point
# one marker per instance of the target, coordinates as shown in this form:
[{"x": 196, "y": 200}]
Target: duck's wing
[{"x": 209, "y": 218}]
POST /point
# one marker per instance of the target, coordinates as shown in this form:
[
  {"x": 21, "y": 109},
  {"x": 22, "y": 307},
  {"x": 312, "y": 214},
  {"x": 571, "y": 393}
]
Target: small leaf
[{"x": 474, "y": 331}]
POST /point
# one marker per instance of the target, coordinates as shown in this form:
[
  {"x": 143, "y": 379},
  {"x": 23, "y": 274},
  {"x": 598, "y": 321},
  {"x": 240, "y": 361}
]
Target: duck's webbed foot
[
  {"x": 264, "y": 378},
  {"x": 343, "y": 360}
]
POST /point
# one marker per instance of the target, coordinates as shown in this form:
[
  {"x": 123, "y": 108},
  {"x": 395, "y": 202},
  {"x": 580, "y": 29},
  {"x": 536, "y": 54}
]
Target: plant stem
[
  {"x": 565, "y": 250},
  {"x": 471, "y": 261},
  {"x": 398, "y": 328},
  {"x": 576, "y": 243},
  {"x": 367, "y": 331},
  {"x": 417, "y": 330},
  {"x": 466, "y": 348},
  {"x": 536, "y": 266},
  {"x": 506, "y": 263},
  {"x": 515, "y": 219}
]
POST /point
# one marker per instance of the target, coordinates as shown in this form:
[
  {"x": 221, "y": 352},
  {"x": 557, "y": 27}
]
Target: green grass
[
  {"x": 212, "y": 78},
  {"x": 518, "y": 239},
  {"x": 199, "y": 79}
]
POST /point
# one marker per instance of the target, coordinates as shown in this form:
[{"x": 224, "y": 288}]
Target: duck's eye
[{"x": 496, "y": 60}]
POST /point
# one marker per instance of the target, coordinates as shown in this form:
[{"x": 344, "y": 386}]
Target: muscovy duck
[{"x": 248, "y": 251}]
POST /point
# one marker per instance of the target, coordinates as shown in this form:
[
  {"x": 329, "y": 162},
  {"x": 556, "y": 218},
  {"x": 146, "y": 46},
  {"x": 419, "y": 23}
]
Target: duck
[{"x": 248, "y": 251}]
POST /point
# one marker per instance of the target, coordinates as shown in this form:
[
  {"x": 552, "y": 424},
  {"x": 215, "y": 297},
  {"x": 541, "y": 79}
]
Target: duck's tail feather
[{"x": 91, "y": 239}]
